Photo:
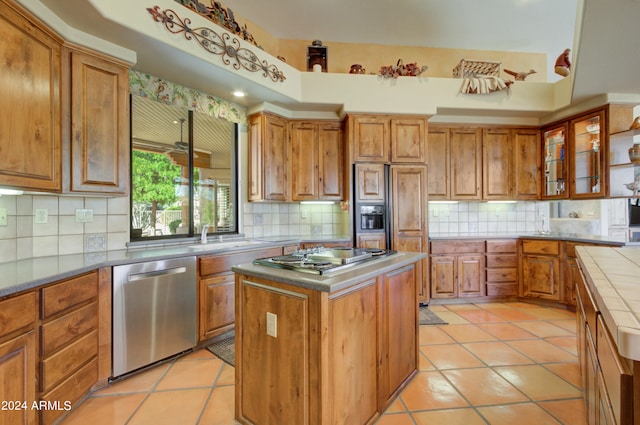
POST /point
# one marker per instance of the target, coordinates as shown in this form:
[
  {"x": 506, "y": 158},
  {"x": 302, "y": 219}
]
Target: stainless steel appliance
[
  {"x": 323, "y": 260},
  {"x": 373, "y": 217},
  {"x": 154, "y": 312}
]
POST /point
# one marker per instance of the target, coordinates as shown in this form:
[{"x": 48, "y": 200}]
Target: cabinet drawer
[
  {"x": 502, "y": 260},
  {"x": 223, "y": 262},
  {"x": 507, "y": 246},
  {"x": 65, "y": 329},
  {"x": 502, "y": 289},
  {"x": 457, "y": 247},
  {"x": 17, "y": 312},
  {"x": 616, "y": 375},
  {"x": 541, "y": 247},
  {"x": 502, "y": 275},
  {"x": 71, "y": 389},
  {"x": 66, "y": 361},
  {"x": 61, "y": 296}
]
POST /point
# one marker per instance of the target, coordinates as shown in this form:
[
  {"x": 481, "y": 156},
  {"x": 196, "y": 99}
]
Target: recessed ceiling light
[{"x": 239, "y": 93}]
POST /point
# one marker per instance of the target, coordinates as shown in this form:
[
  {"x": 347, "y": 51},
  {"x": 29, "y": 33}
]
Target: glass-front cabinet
[
  {"x": 588, "y": 139},
  {"x": 555, "y": 162}
]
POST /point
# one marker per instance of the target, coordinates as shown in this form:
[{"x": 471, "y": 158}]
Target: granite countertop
[
  {"x": 613, "y": 275},
  {"x": 335, "y": 281},
  {"x": 574, "y": 237},
  {"x": 21, "y": 275}
]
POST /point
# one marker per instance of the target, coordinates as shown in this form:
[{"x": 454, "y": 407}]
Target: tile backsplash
[
  {"x": 484, "y": 217},
  {"x": 293, "y": 219},
  {"x": 26, "y": 235}
]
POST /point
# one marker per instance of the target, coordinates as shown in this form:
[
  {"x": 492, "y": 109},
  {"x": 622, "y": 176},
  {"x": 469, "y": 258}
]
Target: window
[{"x": 183, "y": 172}]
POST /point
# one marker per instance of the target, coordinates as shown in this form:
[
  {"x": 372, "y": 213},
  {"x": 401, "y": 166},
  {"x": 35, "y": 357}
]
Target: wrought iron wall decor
[{"x": 224, "y": 45}]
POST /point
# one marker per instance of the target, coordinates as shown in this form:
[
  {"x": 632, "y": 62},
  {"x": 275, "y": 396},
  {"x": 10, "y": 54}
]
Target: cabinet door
[
  {"x": 466, "y": 164},
  {"x": 443, "y": 276},
  {"x": 330, "y": 162},
  {"x": 304, "y": 161},
  {"x": 30, "y": 115},
  {"x": 588, "y": 142},
  {"x": 408, "y": 141},
  {"x": 371, "y": 139},
  {"x": 470, "y": 270},
  {"x": 99, "y": 145},
  {"x": 276, "y": 148},
  {"x": 438, "y": 170},
  {"x": 255, "y": 162},
  {"x": 409, "y": 215},
  {"x": 371, "y": 240},
  {"x": 370, "y": 182},
  {"x": 570, "y": 278},
  {"x": 540, "y": 277},
  {"x": 497, "y": 174},
  {"x": 554, "y": 144},
  {"x": 401, "y": 321},
  {"x": 18, "y": 371},
  {"x": 526, "y": 164},
  {"x": 216, "y": 305}
]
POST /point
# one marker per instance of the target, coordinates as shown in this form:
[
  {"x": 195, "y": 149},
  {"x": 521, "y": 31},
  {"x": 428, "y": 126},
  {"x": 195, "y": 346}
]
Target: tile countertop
[
  {"x": 613, "y": 275},
  {"x": 21, "y": 275},
  {"x": 573, "y": 237}
]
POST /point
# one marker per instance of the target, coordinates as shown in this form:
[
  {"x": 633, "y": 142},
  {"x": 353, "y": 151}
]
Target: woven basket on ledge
[{"x": 470, "y": 69}]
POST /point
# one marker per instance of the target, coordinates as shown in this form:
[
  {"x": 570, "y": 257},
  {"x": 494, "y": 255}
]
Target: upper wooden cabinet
[
  {"x": 30, "y": 113},
  {"x": 510, "y": 164},
  {"x": 316, "y": 161},
  {"x": 556, "y": 169},
  {"x": 465, "y": 147},
  {"x": 388, "y": 139},
  {"x": 370, "y": 182},
  {"x": 268, "y": 158},
  {"x": 97, "y": 135},
  {"x": 438, "y": 169},
  {"x": 588, "y": 142}
]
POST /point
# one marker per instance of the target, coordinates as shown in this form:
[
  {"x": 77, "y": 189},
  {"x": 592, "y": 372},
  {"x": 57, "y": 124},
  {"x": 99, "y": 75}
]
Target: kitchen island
[
  {"x": 325, "y": 349},
  {"x": 608, "y": 331}
]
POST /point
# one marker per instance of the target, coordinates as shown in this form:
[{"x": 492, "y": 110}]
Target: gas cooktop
[{"x": 323, "y": 260}]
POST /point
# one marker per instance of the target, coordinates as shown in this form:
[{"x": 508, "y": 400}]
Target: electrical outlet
[
  {"x": 3, "y": 216},
  {"x": 84, "y": 215},
  {"x": 435, "y": 211},
  {"x": 42, "y": 216},
  {"x": 272, "y": 324}
]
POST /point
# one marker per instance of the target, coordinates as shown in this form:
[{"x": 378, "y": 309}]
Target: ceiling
[{"x": 605, "y": 57}]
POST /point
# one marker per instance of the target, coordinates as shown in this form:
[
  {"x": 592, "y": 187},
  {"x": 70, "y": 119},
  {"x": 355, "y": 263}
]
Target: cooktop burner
[{"x": 322, "y": 260}]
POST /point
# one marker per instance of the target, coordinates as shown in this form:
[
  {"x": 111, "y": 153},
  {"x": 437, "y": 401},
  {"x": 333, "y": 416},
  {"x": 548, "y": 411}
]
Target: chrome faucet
[{"x": 203, "y": 236}]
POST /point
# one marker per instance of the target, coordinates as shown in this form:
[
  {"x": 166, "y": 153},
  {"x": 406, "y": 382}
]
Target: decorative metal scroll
[{"x": 223, "y": 45}]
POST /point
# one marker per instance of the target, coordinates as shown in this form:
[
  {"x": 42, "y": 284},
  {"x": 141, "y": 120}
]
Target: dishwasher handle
[{"x": 156, "y": 273}]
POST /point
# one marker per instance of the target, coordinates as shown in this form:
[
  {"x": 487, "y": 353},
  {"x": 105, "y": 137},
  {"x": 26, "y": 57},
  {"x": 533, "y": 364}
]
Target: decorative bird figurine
[
  {"x": 520, "y": 76},
  {"x": 635, "y": 186}
]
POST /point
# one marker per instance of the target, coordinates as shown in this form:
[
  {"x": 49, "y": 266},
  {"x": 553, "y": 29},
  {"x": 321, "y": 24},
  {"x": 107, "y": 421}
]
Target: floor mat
[
  {"x": 225, "y": 349},
  {"x": 428, "y": 317}
]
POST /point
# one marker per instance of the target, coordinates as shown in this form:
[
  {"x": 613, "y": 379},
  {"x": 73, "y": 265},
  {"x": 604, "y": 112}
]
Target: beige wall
[{"x": 340, "y": 56}]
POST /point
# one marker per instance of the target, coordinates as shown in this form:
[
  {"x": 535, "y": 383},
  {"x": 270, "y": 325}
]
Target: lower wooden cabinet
[
  {"x": 457, "y": 269},
  {"x": 216, "y": 290},
  {"x": 502, "y": 267},
  {"x": 540, "y": 272},
  {"x": 18, "y": 358}
]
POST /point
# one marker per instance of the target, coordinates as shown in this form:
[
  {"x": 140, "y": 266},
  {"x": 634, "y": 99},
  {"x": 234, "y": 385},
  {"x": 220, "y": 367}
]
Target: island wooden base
[{"x": 336, "y": 358}]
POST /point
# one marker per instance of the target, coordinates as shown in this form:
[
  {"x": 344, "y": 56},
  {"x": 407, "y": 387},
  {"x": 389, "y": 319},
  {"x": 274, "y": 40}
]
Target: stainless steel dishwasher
[{"x": 154, "y": 312}]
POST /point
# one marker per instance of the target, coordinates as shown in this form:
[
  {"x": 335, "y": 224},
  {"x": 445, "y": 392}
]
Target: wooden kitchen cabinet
[
  {"x": 316, "y": 161},
  {"x": 386, "y": 138},
  {"x": 526, "y": 164},
  {"x": 371, "y": 240},
  {"x": 216, "y": 289},
  {"x": 588, "y": 142},
  {"x": 370, "y": 183},
  {"x": 30, "y": 111},
  {"x": 409, "y": 217},
  {"x": 438, "y": 177},
  {"x": 457, "y": 269},
  {"x": 69, "y": 342},
  {"x": 502, "y": 267},
  {"x": 268, "y": 158},
  {"x": 96, "y": 138},
  {"x": 18, "y": 358},
  {"x": 370, "y": 138},
  {"x": 540, "y": 272}
]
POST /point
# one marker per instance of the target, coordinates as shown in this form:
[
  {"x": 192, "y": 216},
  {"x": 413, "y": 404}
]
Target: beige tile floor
[{"x": 497, "y": 363}]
